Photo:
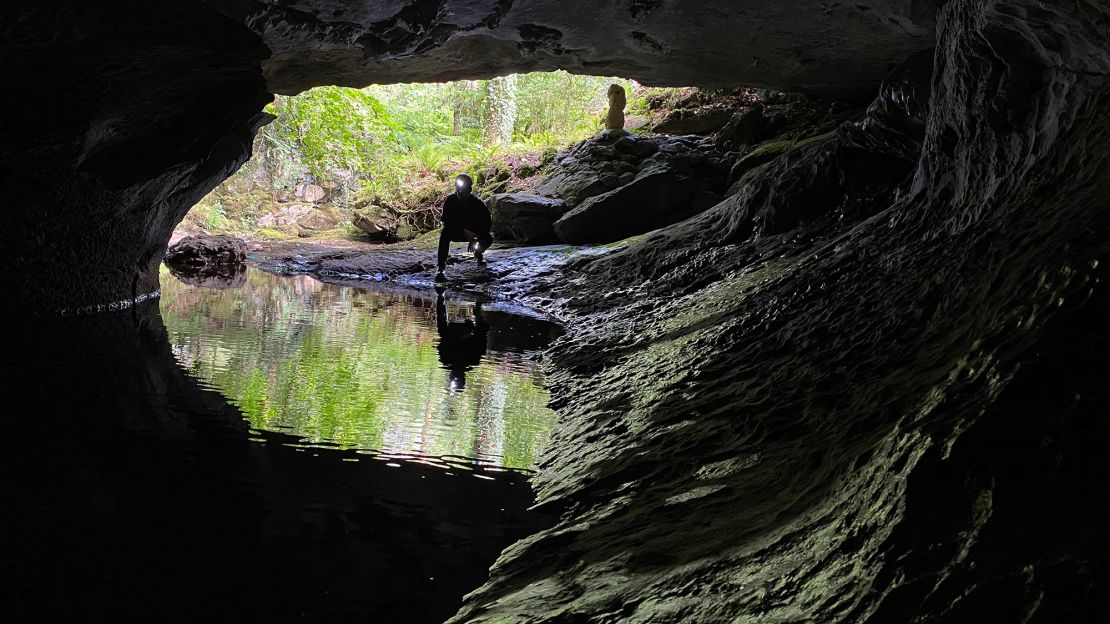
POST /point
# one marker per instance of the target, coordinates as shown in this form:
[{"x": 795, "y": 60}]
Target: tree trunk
[{"x": 500, "y": 110}]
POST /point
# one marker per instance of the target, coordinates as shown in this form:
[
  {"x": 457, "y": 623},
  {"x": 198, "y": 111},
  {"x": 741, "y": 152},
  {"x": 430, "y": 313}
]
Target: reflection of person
[
  {"x": 466, "y": 219},
  {"x": 461, "y": 343}
]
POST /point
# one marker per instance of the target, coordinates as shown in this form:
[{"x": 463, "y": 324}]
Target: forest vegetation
[{"x": 333, "y": 155}]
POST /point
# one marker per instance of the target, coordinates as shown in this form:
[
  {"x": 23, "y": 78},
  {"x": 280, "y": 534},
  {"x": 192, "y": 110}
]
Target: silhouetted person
[
  {"x": 461, "y": 343},
  {"x": 466, "y": 219}
]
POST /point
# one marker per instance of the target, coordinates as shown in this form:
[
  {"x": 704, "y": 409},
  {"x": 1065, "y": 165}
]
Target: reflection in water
[
  {"x": 335, "y": 365},
  {"x": 133, "y": 494},
  {"x": 461, "y": 343}
]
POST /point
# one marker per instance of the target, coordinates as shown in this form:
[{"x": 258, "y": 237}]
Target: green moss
[
  {"x": 272, "y": 234},
  {"x": 769, "y": 150}
]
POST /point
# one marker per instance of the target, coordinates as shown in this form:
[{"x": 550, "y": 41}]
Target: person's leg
[{"x": 444, "y": 248}]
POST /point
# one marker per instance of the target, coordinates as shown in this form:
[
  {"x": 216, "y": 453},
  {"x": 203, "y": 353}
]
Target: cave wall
[
  {"x": 886, "y": 420},
  {"x": 837, "y": 49},
  {"x": 121, "y": 117}
]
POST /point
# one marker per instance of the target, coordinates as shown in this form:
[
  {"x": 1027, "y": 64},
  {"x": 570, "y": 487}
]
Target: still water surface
[
  {"x": 229, "y": 454},
  {"x": 393, "y": 372}
]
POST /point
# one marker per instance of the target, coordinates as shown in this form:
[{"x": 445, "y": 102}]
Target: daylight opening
[{"x": 376, "y": 163}]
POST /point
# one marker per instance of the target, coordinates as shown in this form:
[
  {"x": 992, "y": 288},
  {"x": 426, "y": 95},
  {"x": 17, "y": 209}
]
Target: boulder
[
  {"x": 636, "y": 146},
  {"x": 320, "y": 218},
  {"x": 376, "y": 222},
  {"x": 197, "y": 253},
  {"x": 285, "y": 215},
  {"x": 525, "y": 217},
  {"x": 706, "y": 121},
  {"x": 659, "y": 198},
  {"x": 309, "y": 192},
  {"x": 576, "y": 186},
  {"x": 747, "y": 127}
]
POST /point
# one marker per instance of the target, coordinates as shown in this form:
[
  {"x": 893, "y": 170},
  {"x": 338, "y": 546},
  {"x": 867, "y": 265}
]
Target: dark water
[
  {"x": 397, "y": 373},
  {"x": 210, "y": 461}
]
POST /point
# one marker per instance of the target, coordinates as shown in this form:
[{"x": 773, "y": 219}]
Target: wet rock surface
[{"x": 507, "y": 275}]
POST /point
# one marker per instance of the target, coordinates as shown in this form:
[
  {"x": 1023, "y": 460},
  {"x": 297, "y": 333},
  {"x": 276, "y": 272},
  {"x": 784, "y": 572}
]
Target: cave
[{"x": 865, "y": 387}]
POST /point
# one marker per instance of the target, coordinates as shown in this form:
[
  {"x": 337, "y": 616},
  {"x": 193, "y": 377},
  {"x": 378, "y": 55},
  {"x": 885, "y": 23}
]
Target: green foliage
[
  {"x": 397, "y": 146},
  {"x": 213, "y": 215}
]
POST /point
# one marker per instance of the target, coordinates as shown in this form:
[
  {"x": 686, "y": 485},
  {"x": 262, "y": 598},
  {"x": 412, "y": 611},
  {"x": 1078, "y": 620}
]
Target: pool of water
[
  {"x": 404, "y": 373},
  {"x": 267, "y": 449}
]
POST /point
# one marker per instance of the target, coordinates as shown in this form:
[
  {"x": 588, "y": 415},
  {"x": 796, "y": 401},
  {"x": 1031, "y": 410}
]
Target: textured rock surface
[
  {"x": 133, "y": 112},
  {"x": 842, "y": 49},
  {"x": 845, "y": 424},
  {"x": 525, "y": 217},
  {"x": 197, "y": 252},
  {"x": 618, "y": 184},
  {"x": 648, "y": 202}
]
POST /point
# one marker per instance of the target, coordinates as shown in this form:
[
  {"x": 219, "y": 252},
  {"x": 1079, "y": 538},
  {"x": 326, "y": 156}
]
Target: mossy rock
[
  {"x": 765, "y": 153},
  {"x": 272, "y": 234}
]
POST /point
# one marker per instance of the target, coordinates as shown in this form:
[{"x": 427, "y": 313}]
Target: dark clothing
[
  {"x": 464, "y": 213},
  {"x": 461, "y": 344},
  {"x": 446, "y": 237}
]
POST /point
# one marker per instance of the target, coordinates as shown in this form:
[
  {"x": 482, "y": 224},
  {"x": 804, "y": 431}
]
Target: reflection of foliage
[{"x": 353, "y": 368}]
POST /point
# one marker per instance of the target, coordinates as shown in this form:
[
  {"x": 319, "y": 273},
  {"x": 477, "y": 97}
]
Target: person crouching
[{"x": 466, "y": 219}]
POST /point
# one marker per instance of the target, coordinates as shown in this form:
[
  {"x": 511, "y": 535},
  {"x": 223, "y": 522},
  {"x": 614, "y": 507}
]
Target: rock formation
[
  {"x": 525, "y": 217},
  {"x": 614, "y": 115},
  {"x": 616, "y": 185},
  {"x": 200, "y": 252},
  {"x": 886, "y": 422},
  {"x": 867, "y": 387}
]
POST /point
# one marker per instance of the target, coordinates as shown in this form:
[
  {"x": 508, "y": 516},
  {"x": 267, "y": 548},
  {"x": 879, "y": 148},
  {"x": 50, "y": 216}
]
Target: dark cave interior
[{"x": 869, "y": 386}]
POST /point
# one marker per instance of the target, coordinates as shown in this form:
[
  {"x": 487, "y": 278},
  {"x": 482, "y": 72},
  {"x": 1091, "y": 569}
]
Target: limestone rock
[
  {"x": 375, "y": 221},
  {"x": 285, "y": 215},
  {"x": 309, "y": 192},
  {"x": 746, "y": 127},
  {"x": 525, "y": 217},
  {"x": 610, "y": 160}
]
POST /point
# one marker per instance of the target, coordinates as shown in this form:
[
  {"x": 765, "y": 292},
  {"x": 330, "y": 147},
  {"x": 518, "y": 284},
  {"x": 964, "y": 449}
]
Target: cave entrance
[
  {"x": 380, "y": 365},
  {"x": 375, "y": 164}
]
